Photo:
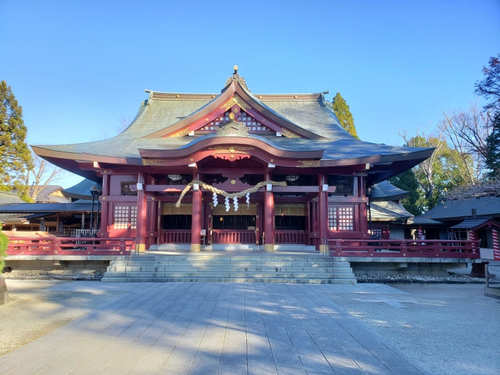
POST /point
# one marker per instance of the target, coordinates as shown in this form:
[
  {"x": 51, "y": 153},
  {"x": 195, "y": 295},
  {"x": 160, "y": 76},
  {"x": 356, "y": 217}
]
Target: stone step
[{"x": 209, "y": 267}]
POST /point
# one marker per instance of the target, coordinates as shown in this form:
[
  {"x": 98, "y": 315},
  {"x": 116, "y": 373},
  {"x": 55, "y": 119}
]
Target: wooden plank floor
[{"x": 212, "y": 328}]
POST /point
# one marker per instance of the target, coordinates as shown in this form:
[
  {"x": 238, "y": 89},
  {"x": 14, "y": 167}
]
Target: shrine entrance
[{"x": 230, "y": 227}]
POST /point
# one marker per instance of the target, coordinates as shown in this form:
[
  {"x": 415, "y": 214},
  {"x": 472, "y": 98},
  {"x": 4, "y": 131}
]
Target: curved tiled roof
[{"x": 308, "y": 112}]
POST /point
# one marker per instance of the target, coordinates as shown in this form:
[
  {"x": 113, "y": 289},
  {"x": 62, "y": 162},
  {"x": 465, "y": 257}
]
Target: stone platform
[{"x": 235, "y": 266}]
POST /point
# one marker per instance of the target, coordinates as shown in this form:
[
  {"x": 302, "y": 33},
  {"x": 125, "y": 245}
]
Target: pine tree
[
  {"x": 493, "y": 149},
  {"x": 344, "y": 115},
  {"x": 15, "y": 156}
]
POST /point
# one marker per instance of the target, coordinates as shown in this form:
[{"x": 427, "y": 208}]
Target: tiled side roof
[
  {"x": 388, "y": 211},
  {"x": 459, "y": 208},
  {"x": 386, "y": 190}
]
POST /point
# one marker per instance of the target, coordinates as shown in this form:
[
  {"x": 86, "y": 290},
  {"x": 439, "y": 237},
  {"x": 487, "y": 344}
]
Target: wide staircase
[{"x": 231, "y": 267}]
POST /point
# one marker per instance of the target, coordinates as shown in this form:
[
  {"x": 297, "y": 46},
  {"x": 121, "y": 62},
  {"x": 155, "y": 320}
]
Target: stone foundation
[
  {"x": 55, "y": 269},
  {"x": 413, "y": 272}
]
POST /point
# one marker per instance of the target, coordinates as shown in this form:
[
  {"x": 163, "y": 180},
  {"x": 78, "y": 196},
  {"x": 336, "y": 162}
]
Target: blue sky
[{"x": 79, "y": 68}]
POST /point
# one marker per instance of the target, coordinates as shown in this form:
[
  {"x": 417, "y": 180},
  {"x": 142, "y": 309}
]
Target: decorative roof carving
[{"x": 233, "y": 128}]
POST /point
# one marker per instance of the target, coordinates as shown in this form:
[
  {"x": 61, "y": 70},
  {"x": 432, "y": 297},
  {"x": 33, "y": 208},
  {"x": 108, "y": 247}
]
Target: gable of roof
[
  {"x": 82, "y": 189},
  {"x": 386, "y": 190},
  {"x": 234, "y": 94}
]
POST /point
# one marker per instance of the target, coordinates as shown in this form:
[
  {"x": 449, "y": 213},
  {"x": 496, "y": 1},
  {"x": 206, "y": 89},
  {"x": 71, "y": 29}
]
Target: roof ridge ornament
[{"x": 235, "y": 78}]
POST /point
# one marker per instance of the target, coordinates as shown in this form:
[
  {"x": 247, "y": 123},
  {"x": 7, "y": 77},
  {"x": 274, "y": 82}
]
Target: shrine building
[{"x": 234, "y": 168}]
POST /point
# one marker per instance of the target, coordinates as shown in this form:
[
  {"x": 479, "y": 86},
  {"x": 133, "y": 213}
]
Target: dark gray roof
[
  {"x": 81, "y": 190},
  {"x": 462, "y": 208},
  {"x": 79, "y": 206},
  {"x": 386, "y": 190},
  {"x": 388, "y": 211},
  {"x": 470, "y": 223},
  {"x": 421, "y": 220}
]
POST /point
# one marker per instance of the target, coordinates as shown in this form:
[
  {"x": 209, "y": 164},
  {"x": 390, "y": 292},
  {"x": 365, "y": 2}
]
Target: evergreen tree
[
  {"x": 493, "y": 149},
  {"x": 408, "y": 181},
  {"x": 344, "y": 115},
  {"x": 15, "y": 156}
]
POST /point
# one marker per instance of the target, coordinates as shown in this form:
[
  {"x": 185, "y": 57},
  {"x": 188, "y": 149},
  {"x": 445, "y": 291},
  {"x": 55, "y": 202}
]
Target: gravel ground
[{"x": 442, "y": 328}]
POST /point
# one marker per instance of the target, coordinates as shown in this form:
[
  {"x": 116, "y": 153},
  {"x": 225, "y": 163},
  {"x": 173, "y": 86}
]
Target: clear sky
[{"x": 79, "y": 68}]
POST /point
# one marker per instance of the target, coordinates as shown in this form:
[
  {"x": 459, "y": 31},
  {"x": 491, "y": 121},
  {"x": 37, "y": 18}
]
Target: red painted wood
[
  {"x": 268, "y": 214},
  {"x": 52, "y": 245},
  {"x": 322, "y": 212},
  {"x": 103, "y": 230},
  {"x": 141, "y": 213},
  {"x": 233, "y": 236},
  {"x": 496, "y": 243},
  {"x": 290, "y": 237},
  {"x": 196, "y": 214},
  {"x": 175, "y": 236},
  {"x": 404, "y": 248}
]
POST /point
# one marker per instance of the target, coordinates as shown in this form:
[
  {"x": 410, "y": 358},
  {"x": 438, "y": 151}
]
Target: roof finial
[{"x": 235, "y": 69}]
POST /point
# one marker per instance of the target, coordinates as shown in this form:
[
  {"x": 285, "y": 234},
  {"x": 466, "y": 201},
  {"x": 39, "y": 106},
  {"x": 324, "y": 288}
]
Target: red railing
[
  {"x": 290, "y": 236},
  {"x": 175, "y": 236},
  {"x": 404, "y": 248},
  {"x": 233, "y": 236},
  {"x": 51, "y": 245}
]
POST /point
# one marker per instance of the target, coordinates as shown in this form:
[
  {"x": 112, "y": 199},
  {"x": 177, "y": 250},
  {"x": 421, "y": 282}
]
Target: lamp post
[{"x": 94, "y": 191}]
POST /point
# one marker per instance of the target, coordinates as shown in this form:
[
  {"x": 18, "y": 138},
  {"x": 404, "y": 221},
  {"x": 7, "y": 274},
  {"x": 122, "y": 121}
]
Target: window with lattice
[
  {"x": 124, "y": 216},
  {"x": 341, "y": 218},
  {"x": 252, "y": 124}
]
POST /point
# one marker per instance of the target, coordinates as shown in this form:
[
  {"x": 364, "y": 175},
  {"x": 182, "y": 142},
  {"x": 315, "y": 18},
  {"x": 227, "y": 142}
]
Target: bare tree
[
  {"x": 41, "y": 175},
  {"x": 467, "y": 132}
]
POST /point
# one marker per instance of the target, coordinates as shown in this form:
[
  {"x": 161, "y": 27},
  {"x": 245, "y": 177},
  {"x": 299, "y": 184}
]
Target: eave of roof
[{"x": 46, "y": 207}]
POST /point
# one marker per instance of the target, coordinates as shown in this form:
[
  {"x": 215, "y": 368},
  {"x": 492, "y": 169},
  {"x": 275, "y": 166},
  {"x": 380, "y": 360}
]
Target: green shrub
[{"x": 4, "y": 241}]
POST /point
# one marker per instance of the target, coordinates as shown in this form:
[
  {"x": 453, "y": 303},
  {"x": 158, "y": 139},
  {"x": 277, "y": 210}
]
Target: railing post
[
  {"x": 404, "y": 248},
  {"x": 338, "y": 248}
]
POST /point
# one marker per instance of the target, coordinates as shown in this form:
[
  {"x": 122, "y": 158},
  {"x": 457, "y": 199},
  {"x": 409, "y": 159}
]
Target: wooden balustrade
[
  {"x": 175, "y": 236},
  {"x": 290, "y": 236},
  {"x": 233, "y": 236},
  {"x": 52, "y": 245},
  {"x": 404, "y": 248}
]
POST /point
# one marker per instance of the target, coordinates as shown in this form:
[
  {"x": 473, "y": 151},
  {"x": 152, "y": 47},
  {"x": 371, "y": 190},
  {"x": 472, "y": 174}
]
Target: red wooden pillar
[
  {"x": 323, "y": 216},
  {"x": 103, "y": 231},
  {"x": 268, "y": 216},
  {"x": 258, "y": 223},
  {"x": 141, "y": 226},
  {"x": 363, "y": 217},
  {"x": 496, "y": 243},
  {"x": 196, "y": 215},
  {"x": 308, "y": 222}
]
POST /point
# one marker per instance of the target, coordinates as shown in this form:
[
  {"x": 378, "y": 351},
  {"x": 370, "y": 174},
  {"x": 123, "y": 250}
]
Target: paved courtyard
[{"x": 214, "y": 328}]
